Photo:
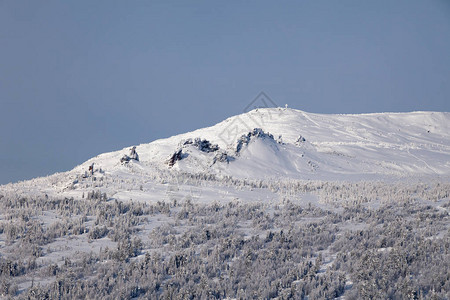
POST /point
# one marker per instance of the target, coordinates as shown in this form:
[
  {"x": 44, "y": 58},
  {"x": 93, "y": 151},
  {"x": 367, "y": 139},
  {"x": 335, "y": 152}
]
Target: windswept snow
[
  {"x": 281, "y": 144},
  {"x": 335, "y": 146},
  {"x": 324, "y": 206}
]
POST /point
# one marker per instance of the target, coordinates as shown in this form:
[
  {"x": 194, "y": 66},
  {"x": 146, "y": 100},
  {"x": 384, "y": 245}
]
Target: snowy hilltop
[
  {"x": 275, "y": 144},
  {"x": 317, "y": 206}
]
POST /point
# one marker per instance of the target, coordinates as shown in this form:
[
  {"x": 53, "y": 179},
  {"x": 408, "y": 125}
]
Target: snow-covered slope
[
  {"x": 270, "y": 179},
  {"x": 276, "y": 143},
  {"x": 400, "y": 144}
]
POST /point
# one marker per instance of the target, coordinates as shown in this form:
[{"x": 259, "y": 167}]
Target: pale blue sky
[{"x": 79, "y": 78}]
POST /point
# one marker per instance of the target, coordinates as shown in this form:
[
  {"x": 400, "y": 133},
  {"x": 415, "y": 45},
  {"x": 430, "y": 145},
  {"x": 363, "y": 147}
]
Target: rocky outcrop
[
  {"x": 245, "y": 138},
  {"x": 133, "y": 156},
  {"x": 176, "y": 156},
  {"x": 202, "y": 145}
]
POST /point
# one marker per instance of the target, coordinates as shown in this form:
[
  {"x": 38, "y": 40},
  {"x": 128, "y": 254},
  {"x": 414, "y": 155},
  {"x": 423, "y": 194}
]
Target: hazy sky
[{"x": 79, "y": 78}]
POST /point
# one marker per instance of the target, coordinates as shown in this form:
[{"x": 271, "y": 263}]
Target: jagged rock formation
[
  {"x": 133, "y": 156},
  {"x": 245, "y": 138},
  {"x": 222, "y": 156},
  {"x": 202, "y": 145},
  {"x": 176, "y": 156}
]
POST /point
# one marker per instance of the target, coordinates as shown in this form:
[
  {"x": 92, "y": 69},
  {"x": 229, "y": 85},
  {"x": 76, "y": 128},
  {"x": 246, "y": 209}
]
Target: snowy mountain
[
  {"x": 330, "y": 146},
  {"x": 271, "y": 204},
  {"x": 278, "y": 143}
]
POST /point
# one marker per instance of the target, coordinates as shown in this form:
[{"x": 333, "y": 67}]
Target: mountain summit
[
  {"x": 279, "y": 143},
  {"x": 273, "y": 142}
]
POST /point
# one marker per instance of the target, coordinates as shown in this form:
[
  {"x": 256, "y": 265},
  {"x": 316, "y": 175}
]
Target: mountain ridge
[
  {"x": 320, "y": 130},
  {"x": 298, "y": 146}
]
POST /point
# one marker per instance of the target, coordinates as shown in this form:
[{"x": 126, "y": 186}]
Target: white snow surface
[
  {"x": 378, "y": 146},
  {"x": 401, "y": 144}
]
